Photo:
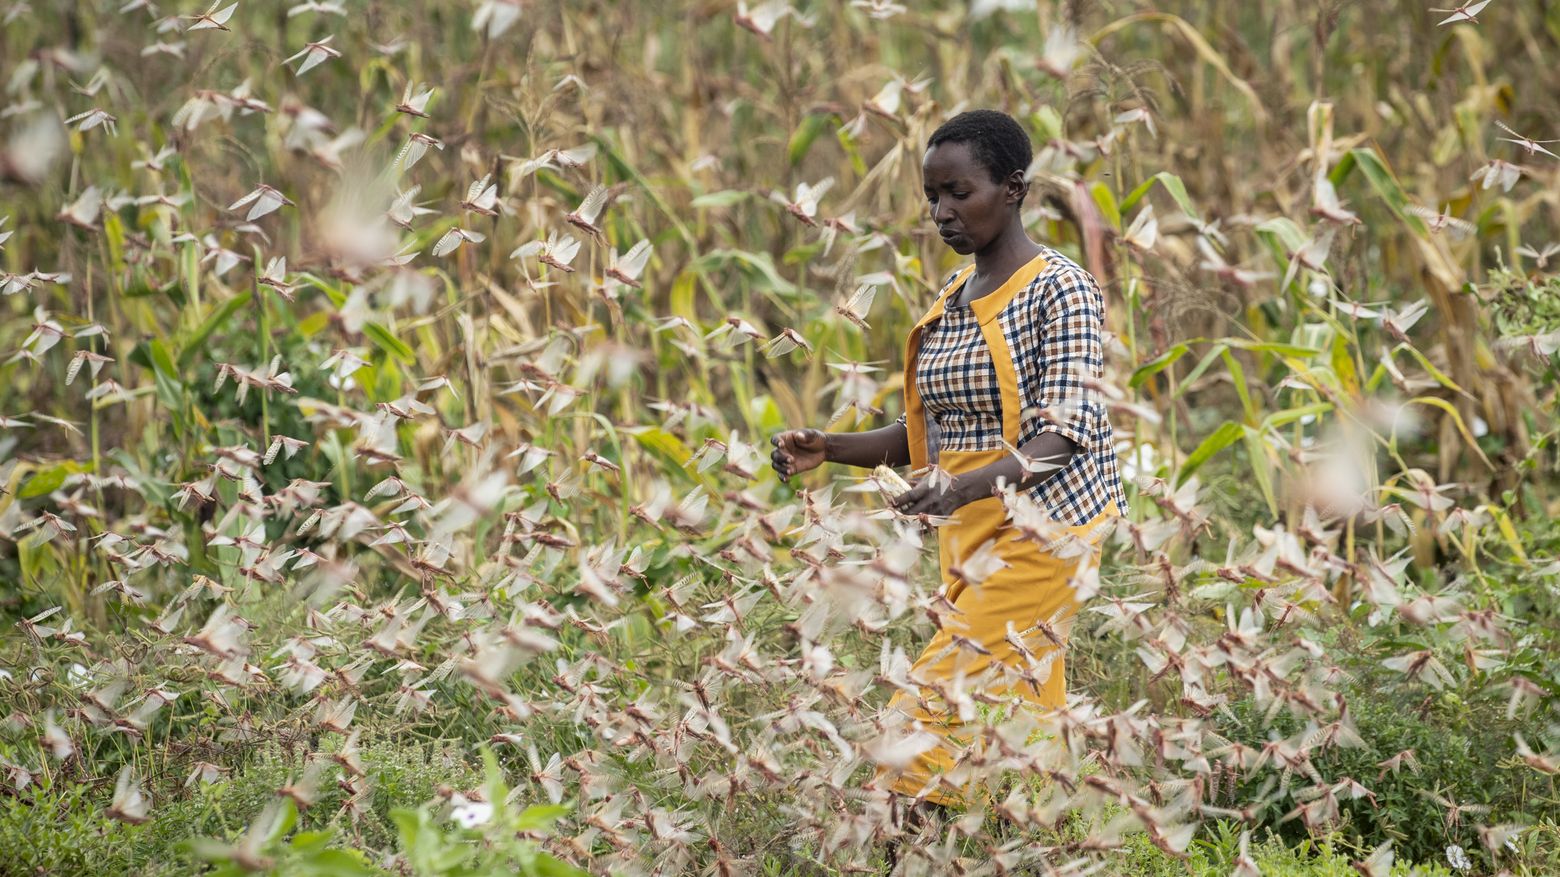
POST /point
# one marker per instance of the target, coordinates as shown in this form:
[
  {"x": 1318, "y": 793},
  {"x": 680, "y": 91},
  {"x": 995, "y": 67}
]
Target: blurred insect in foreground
[
  {"x": 1541, "y": 256},
  {"x": 313, "y": 55},
  {"x": 212, "y": 18},
  {"x": 804, "y": 205},
  {"x": 414, "y": 104},
  {"x": 1526, "y": 143},
  {"x": 1465, "y": 12},
  {"x": 584, "y": 217},
  {"x": 1443, "y": 221}
]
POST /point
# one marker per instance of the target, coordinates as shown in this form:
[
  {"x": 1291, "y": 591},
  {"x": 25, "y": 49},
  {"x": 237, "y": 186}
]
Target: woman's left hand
[{"x": 941, "y": 500}]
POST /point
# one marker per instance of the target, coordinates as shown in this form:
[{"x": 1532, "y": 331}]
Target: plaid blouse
[{"x": 1052, "y": 328}]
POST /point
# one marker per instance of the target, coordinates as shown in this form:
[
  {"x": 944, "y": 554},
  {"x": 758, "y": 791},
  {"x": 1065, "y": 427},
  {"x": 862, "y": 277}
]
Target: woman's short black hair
[{"x": 994, "y": 137}]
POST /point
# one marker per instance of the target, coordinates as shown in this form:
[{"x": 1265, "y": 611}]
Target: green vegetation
[{"x": 343, "y": 531}]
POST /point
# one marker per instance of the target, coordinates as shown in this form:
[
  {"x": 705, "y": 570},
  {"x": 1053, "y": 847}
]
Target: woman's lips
[{"x": 948, "y": 235}]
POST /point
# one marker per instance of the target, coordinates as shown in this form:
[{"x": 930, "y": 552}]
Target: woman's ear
[{"x": 1017, "y": 187}]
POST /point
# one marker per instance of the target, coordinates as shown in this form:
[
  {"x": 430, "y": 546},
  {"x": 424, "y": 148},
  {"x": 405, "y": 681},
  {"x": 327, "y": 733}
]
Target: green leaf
[
  {"x": 555, "y": 183},
  {"x": 1048, "y": 123},
  {"x": 285, "y": 824},
  {"x": 802, "y": 138},
  {"x": 310, "y": 841},
  {"x": 156, "y": 489},
  {"x": 1290, "y": 415},
  {"x": 767, "y": 412},
  {"x": 161, "y": 361},
  {"x": 196, "y": 342},
  {"x": 208, "y": 849},
  {"x": 420, "y": 842},
  {"x": 1226, "y": 435},
  {"x": 538, "y": 816},
  {"x": 852, "y": 151},
  {"x": 1106, "y": 200},
  {"x": 390, "y": 344},
  {"x": 153, "y": 354},
  {"x": 46, "y": 480},
  {"x": 1172, "y": 184},
  {"x": 663, "y": 443},
  {"x": 189, "y": 265},
  {"x": 757, "y": 263},
  {"x": 1440, "y": 377},
  {"x": 548, "y": 866},
  {"x": 114, "y": 234},
  {"x": 1156, "y": 365},
  {"x": 336, "y": 863},
  {"x": 1282, "y": 236},
  {"x": 1343, "y": 366},
  {"x": 332, "y": 292},
  {"x": 1262, "y": 468},
  {"x": 1509, "y": 533},
  {"x": 1456, "y": 419},
  {"x": 1380, "y": 179},
  {"x": 407, "y": 822},
  {"x": 802, "y": 254},
  {"x": 671, "y": 450},
  {"x": 681, "y": 297},
  {"x": 33, "y": 558},
  {"x": 313, "y": 324},
  {"x": 724, "y": 198},
  {"x": 1238, "y": 378},
  {"x": 1296, "y": 350},
  {"x": 494, "y": 786},
  {"x": 1202, "y": 365}
]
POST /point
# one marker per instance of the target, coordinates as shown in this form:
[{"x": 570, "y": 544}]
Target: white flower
[
  {"x": 472, "y": 814},
  {"x": 1457, "y": 858}
]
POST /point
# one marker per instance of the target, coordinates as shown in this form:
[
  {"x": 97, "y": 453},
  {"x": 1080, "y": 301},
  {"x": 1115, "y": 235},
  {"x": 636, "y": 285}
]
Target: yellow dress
[{"x": 1033, "y": 587}]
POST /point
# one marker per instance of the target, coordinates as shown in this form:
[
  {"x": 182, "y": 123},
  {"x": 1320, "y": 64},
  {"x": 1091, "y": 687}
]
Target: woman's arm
[
  {"x": 800, "y": 450},
  {"x": 1050, "y": 448},
  {"x": 888, "y": 446},
  {"x": 1047, "y": 447}
]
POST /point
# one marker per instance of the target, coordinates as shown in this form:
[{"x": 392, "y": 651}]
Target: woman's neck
[{"x": 1007, "y": 253}]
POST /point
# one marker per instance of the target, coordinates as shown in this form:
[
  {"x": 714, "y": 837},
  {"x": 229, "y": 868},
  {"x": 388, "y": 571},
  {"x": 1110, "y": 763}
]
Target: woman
[{"x": 1003, "y": 355}]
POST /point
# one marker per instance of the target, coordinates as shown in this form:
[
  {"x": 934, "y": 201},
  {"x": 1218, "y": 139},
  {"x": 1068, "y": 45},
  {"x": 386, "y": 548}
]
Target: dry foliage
[{"x": 400, "y": 371}]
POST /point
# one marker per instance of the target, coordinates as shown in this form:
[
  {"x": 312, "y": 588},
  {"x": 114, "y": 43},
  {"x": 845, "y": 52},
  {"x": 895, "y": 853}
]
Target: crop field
[{"x": 387, "y": 389}]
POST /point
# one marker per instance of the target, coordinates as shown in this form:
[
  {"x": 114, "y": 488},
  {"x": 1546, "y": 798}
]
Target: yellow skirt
[{"x": 1034, "y": 593}]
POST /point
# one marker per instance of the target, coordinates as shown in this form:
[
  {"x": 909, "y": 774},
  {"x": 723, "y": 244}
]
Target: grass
[{"x": 213, "y": 607}]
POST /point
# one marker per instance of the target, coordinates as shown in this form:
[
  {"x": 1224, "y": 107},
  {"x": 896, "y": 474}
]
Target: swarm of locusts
[{"x": 334, "y": 419}]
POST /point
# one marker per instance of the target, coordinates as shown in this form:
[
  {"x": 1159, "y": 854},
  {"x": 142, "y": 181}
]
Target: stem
[
  {"x": 93, "y": 415},
  {"x": 265, "y": 356}
]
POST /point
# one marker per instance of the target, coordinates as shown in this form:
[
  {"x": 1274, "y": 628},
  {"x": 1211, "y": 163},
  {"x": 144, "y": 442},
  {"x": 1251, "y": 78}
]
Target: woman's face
[{"x": 970, "y": 210}]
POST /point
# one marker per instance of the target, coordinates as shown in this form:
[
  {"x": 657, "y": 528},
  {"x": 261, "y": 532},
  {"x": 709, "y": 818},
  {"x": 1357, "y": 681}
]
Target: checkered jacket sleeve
[{"x": 1067, "y": 351}]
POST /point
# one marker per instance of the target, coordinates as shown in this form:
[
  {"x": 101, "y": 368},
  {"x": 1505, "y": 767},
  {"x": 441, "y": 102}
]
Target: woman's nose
[{"x": 941, "y": 213}]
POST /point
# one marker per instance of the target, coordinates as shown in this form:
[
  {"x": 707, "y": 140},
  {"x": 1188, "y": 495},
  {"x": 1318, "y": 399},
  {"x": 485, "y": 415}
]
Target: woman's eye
[{"x": 961, "y": 195}]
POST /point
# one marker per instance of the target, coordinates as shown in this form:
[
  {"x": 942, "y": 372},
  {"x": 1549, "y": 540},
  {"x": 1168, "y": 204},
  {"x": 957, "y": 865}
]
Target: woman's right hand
[{"x": 797, "y": 450}]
